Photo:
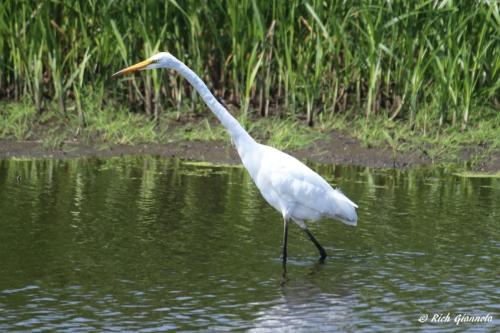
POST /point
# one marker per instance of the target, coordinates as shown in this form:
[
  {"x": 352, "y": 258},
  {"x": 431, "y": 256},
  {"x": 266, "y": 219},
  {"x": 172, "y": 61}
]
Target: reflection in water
[
  {"x": 304, "y": 306},
  {"x": 158, "y": 244},
  {"x": 305, "y": 303}
]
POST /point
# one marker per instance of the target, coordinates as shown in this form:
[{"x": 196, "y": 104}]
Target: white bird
[{"x": 292, "y": 188}]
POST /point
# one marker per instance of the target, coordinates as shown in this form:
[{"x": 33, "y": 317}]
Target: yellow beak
[{"x": 134, "y": 68}]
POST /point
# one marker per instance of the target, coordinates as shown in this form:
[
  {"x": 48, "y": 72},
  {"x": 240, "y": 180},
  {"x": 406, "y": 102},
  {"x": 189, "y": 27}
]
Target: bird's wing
[{"x": 296, "y": 183}]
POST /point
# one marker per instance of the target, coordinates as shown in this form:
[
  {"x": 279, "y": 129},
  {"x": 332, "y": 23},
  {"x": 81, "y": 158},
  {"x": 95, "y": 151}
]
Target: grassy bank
[
  {"x": 422, "y": 64},
  {"x": 115, "y": 125}
]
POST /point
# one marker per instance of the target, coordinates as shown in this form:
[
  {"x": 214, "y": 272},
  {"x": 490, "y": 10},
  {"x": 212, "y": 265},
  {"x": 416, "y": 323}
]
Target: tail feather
[{"x": 344, "y": 209}]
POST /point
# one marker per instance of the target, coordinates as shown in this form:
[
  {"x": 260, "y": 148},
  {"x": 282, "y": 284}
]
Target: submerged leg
[
  {"x": 321, "y": 250},
  {"x": 284, "y": 278},
  {"x": 285, "y": 239}
]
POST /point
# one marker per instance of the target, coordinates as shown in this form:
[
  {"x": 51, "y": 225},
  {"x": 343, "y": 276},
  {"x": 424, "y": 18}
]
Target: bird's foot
[{"x": 322, "y": 257}]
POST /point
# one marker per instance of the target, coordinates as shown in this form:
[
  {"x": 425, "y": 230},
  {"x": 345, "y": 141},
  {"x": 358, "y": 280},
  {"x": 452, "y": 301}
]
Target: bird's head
[{"x": 159, "y": 60}]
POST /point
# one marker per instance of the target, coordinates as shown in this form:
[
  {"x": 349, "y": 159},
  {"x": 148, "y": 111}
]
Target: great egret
[{"x": 293, "y": 189}]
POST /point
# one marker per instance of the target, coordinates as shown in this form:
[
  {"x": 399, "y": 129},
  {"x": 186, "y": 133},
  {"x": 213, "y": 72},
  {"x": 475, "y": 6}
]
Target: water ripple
[{"x": 147, "y": 244}]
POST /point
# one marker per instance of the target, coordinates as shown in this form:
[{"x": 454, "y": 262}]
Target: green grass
[
  {"x": 282, "y": 134},
  {"x": 121, "y": 127},
  {"x": 424, "y": 63},
  {"x": 409, "y": 75},
  {"x": 19, "y": 121},
  {"x": 114, "y": 125},
  {"x": 16, "y": 120},
  {"x": 437, "y": 143}
]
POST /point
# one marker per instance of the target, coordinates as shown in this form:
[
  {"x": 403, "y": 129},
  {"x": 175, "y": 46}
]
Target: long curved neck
[{"x": 236, "y": 131}]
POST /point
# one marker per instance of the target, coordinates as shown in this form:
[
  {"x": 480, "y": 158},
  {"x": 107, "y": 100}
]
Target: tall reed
[{"x": 426, "y": 62}]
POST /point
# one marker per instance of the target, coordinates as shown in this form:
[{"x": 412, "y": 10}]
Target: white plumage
[
  {"x": 287, "y": 184},
  {"x": 295, "y": 190}
]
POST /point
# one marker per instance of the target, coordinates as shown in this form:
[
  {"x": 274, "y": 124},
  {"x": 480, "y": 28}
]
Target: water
[{"x": 150, "y": 244}]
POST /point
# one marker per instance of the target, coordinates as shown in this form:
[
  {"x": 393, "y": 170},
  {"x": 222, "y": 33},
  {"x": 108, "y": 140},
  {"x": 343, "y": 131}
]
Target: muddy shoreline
[{"x": 339, "y": 149}]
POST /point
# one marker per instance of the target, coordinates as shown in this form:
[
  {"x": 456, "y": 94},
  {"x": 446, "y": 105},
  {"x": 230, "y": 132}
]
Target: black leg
[
  {"x": 284, "y": 278},
  {"x": 321, "y": 250},
  {"x": 285, "y": 239}
]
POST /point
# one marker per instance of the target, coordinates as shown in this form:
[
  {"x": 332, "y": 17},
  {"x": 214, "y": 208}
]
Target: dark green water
[{"x": 149, "y": 244}]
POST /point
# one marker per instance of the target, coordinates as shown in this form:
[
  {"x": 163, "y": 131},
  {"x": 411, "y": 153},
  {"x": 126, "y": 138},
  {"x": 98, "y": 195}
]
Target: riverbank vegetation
[
  {"x": 397, "y": 73},
  {"x": 115, "y": 125}
]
